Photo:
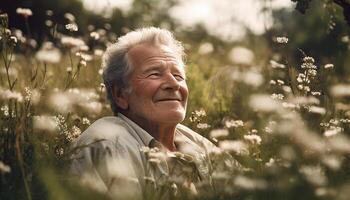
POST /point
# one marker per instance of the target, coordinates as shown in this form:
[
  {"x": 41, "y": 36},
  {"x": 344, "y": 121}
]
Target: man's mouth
[{"x": 169, "y": 99}]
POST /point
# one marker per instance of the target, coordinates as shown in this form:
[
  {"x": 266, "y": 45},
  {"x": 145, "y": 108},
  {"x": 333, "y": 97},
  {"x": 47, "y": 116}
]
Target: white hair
[{"x": 116, "y": 64}]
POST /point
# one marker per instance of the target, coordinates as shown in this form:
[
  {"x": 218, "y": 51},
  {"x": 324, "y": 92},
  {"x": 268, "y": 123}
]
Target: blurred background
[{"x": 268, "y": 79}]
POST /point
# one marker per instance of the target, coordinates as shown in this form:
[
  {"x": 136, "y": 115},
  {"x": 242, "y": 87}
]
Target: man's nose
[{"x": 170, "y": 82}]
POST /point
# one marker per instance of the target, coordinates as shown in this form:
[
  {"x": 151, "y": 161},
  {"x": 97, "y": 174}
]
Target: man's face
[{"x": 158, "y": 86}]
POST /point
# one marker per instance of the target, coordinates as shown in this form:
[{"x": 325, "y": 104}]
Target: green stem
[{"x": 20, "y": 158}]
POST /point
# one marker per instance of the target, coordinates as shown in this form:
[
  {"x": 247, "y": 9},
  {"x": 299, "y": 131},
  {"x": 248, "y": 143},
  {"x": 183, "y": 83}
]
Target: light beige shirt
[{"x": 116, "y": 156}]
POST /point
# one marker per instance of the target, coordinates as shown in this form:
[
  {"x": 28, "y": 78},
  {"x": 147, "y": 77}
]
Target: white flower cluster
[
  {"x": 234, "y": 123},
  {"x": 310, "y": 71},
  {"x": 73, "y": 27},
  {"x": 282, "y": 40},
  {"x": 197, "y": 115},
  {"x": 253, "y": 138},
  {"x": 5, "y": 109}
]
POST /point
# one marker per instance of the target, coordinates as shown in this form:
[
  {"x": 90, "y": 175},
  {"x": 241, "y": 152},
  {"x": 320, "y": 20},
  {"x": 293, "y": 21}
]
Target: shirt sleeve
[{"x": 106, "y": 167}]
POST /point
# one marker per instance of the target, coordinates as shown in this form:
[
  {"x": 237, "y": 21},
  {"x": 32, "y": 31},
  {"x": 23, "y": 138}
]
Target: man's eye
[
  {"x": 154, "y": 75},
  {"x": 179, "y": 77}
]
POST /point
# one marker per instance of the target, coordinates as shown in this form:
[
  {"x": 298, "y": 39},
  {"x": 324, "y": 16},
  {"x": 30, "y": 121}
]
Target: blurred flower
[
  {"x": 345, "y": 39},
  {"x": 4, "y": 168},
  {"x": 49, "y": 12},
  {"x": 100, "y": 71},
  {"x": 26, "y": 12},
  {"x": 13, "y": 39},
  {"x": 331, "y": 161},
  {"x": 69, "y": 69},
  {"x": 305, "y": 100},
  {"x": 282, "y": 40},
  {"x": 339, "y": 143},
  {"x": 8, "y": 94},
  {"x": 72, "y": 27},
  {"x": 69, "y": 16},
  {"x": 65, "y": 101},
  {"x": 5, "y": 109},
  {"x": 33, "y": 43},
  {"x": 287, "y": 153},
  {"x": 340, "y": 90},
  {"x": 241, "y": 55},
  {"x": 317, "y": 110},
  {"x": 48, "y": 53},
  {"x": 277, "y": 96},
  {"x": 98, "y": 52},
  {"x": 11, "y": 71},
  {"x": 197, "y": 115},
  {"x": 253, "y": 78},
  {"x": 44, "y": 123},
  {"x": 249, "y": 183},
  {"x": 84, "y": 56},
  {"x": 316, "y": 93},
  {"x": 253, "y": 138},
  {"x": 280, "y": 82},
  {"x": 235, "y": 146},
  {"x": 277, "y": 65},
  {"x": 286, "y": 88},
  {"x": 308, "y": 59},
  {"x": 95, "y": 35},
  {"x": 205, "y": 48},
  {"x": 328, "y": 66},
  {"x": 314, "y": 174},
  {"x": 48, "y": 23},
  {"x": 218, "y": 133},
  {"x": 332, "y": 131},
  {"x": 19, "y": 35},
  {"x": 72, "y": 42},
  {"x": 92, "y": 107},
  {"x": 86, "y": 121},
  {"x": 270, "y": 163},
  {"x": 83, "y": 63},
  {"x": 234, "y": 123},
  {"x": 61, "y": 101},
  {"x": 203, "y": 126},
  {"x": 264, "y": 103}
]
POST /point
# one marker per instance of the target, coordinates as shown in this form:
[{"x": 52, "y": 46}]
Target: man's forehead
[{"x": 142, "y": 53}]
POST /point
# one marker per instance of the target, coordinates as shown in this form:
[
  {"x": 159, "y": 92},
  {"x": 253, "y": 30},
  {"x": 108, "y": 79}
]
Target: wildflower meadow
[{"x": 275, "y": 102}]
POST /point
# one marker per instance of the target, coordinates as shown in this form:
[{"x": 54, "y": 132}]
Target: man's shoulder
[{"x": 109, "y": 128}]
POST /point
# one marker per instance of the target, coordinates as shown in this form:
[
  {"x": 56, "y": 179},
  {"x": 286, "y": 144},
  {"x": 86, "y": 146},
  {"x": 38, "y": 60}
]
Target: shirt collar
[{"x": 144, "y": 136}]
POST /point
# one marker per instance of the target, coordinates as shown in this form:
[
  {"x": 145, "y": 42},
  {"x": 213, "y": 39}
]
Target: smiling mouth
[{"x": 169, "y": 100}]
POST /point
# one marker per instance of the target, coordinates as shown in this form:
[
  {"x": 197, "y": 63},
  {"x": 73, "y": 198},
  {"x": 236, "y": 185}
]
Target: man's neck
[{"x": 163, "y": 133}]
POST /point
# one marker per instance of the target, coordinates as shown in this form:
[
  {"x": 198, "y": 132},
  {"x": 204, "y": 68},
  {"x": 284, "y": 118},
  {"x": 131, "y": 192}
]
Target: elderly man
[{"x": 143, "y": 143}]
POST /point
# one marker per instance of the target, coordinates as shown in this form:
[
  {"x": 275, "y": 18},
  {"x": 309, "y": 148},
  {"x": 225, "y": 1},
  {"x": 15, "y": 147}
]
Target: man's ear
[{"x": 120, "y": 98}]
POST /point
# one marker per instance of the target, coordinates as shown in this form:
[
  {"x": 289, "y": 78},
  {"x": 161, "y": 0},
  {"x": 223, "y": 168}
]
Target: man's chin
[{"x": 174, "y": 117}]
